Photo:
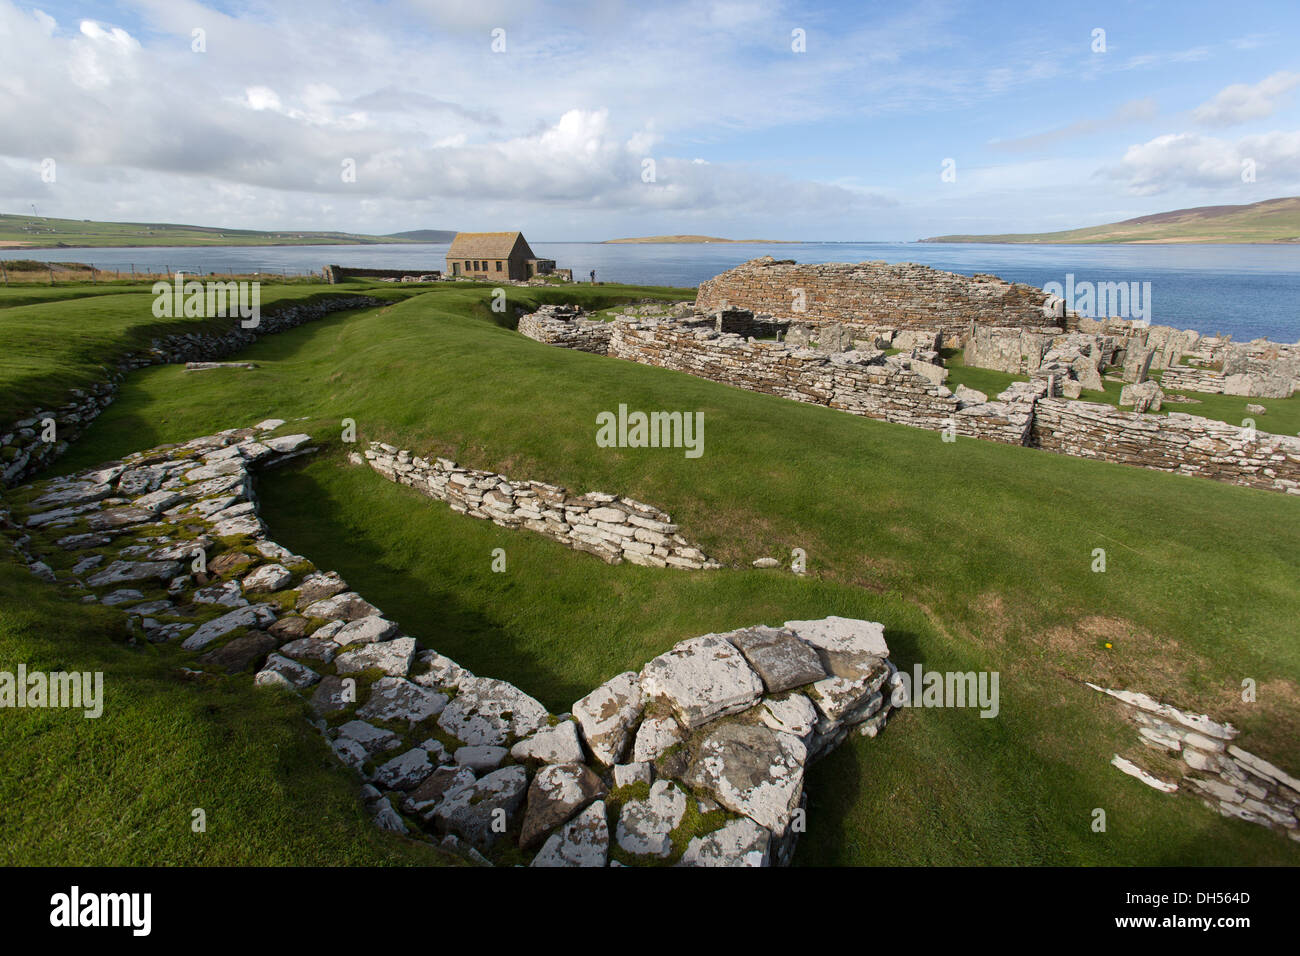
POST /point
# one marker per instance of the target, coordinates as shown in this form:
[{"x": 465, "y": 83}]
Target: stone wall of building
[
  {"x": 561, "y": 325},
  {"x": 722, "y": 724},
  {"x": 875, "y": 294},
  {"x": 1184, "y": 444},
  {"x": 615, "y": 529},
  {"x": 908, "y": 390},
  {"x": 24, "y": 447},
  {"x": 891, "y": 388}
]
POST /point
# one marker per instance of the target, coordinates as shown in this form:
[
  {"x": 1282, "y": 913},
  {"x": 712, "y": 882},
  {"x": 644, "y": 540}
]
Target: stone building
[{"x": 495, "y": 255}]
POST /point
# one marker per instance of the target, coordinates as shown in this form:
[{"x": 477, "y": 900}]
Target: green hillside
[
  {"x": 974, "y": 555},
  {"x": 39, "y": 232},
  {"x": 1273, "y": 220}
]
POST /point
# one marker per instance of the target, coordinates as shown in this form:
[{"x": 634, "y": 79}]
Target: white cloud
[
  {"x": 1241, "y": 102},
  {"x": 1178, "y": 160}
]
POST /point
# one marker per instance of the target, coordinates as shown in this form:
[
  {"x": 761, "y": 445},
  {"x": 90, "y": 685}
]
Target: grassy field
[
  {"x": 1273, "y": 220},
  {"x": 42, "y": 232},
  {"x": 974, "y": 555}
]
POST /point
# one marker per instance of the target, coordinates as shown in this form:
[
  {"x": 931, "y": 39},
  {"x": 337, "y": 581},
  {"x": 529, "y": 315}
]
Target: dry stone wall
[
  {"x": 1184, "y": 444},
  {"x": 899, "y": 296},
  {"x": 613, "y": 528},
  {"x": 697, "y": 759},
  {"x": 560, "y": 325},
  {"x": 908, "y": 390},
  {"x": 24, "y": 449},
  {"x": 891, "y": 388}
]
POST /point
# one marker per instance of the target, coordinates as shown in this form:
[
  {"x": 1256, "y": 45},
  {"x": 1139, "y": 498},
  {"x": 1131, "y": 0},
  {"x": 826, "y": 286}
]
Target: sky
[{"x": 594, "y": 120}]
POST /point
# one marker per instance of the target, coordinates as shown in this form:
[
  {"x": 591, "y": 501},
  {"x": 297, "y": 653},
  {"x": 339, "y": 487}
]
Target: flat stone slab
[
  {"x": 558, "y": 744},
  {"x": 469, "y": 811},
  {"x": 655, "y": 735},
  {"x": 606, "y": 715},
  {"x": 239, "y": 654},
  {"x": 372, "y": 739},
  {"x": 645, "y": 826},
  {"x": 556, "y": 794},
  {"x": 397, "y": 699},
  {"x": 255, "y": 615},
  {"x": 847, "y": 646},
  {"x": 348, "y": 606},
  {"x": 269, "y": 577},
  {"x": 366, "y": 630},
  {"x": 281, "y": 671},
  {"x": 405, "y": 771},
  {"x": 318, "y": 586},
  {"x": 392, "y": 657},
  {"x": 781, "y": 659},
  {"x": 702, "y": 679},
  {"x": 793, "y": 714},
  {"x": 738, "y": 843},
  {"x": 123, "y": 572},
  {"x": 487, "y": 711},
  {"x": 583, "y": 841},
  {"x": 839, "y": 697},
  {"x": 755, "y": 771},
  {"x": 443, "y": 782}
]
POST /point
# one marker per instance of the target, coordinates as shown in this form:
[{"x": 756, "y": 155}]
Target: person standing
[{"x": 593, "y": 276}]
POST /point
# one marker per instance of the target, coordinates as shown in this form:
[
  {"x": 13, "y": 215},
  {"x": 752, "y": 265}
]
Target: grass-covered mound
[{"x": 975, "y": 556}]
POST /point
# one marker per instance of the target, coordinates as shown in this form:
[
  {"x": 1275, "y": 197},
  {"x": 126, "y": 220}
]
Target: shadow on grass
[{"x": 296, "y": 503}]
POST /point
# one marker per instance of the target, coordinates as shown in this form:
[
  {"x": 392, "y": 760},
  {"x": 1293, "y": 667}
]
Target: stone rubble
[{"x": 1228, "y": 779}]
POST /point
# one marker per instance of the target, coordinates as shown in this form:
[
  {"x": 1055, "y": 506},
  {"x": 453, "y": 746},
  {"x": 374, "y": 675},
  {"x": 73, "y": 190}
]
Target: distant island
[
  {"x": 684, "y": 239},
  {"x": 40, "y": 232},
  {"x": 1273, "y": 220}
]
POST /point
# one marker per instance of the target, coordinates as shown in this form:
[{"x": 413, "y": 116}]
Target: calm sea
[{"x": 1246, "y": 290}]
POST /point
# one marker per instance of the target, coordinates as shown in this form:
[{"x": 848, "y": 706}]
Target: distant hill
[
  {"x": 1273, "y": 220},
  {"x": 40, "y": 232},
  {"x": 425, "y": 235},
  {"x": 692, "y": 239}
]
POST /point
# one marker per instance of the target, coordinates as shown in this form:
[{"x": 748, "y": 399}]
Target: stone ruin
[
  {"x": 908, "y": 388},
  {"x": 1229, "y": 780},
  {"x": 697, "y": 759},
  {"x": 613, "y": 528}
]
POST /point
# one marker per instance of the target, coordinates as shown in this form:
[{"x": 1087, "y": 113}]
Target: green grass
[
  {"x": 974, "y": 554},
  {"x": 121, "y": 789}
]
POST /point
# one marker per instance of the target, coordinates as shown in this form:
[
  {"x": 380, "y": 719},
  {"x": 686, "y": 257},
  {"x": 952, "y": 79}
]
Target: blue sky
[{"x": 554, "y": 131}]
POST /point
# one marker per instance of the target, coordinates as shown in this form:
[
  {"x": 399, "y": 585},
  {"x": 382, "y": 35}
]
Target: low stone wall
[
  {"x": 555, "y": 327},
  {"x": 24, "y": 449},
  {"x": 1186, "y": 444},
  {"x": 697, "y": 759},
  {"x": 613, "y": 528},
  {"x": 890, "y": 388},
  {"x": 1229, "y": 780},
  {"x": 905, "y": 295}
]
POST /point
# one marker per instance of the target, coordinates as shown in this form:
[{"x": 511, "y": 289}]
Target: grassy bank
[{"x": 974, "y": 555}]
